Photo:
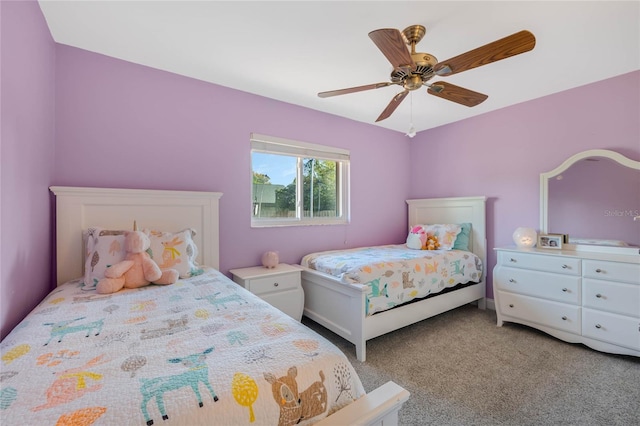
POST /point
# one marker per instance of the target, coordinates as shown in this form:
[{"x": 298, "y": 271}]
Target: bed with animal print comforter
[
  {"x": 396, "y": 274},
  {"x": 201, "y": 351}
]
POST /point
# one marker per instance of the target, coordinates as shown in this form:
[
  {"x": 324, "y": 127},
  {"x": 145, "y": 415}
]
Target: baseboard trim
[{"x": 491, "y": 304}]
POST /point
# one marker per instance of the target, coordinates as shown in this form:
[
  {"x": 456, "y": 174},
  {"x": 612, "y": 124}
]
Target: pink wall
[
  {"x": 107, "y": 122},
  {"x": 124, "y": 125},
  {"x": 27, "y": 115},
  {"x": 501, "y": 154}
]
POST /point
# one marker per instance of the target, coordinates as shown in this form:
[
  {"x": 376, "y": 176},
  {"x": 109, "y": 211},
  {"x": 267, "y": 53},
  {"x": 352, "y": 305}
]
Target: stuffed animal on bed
[
  {"x": 416, "y": 238},
  {"x": 137, "y": 269},
  {"x": 431, "y": 243}
]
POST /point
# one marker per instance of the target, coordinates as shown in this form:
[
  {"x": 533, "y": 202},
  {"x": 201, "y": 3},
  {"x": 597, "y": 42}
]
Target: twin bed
[
  {"x": 343, "y": 306},
  {"x": 203, "y": 350}
]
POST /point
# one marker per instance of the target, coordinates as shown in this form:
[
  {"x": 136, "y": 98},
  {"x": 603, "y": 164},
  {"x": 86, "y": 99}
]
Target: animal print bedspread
[
  {"x": 201, "y": 351},
  {"x": 396, "y": 274}
]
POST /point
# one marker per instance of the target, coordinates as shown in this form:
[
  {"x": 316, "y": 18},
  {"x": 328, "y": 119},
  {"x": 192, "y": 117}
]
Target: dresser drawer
[
  {"x": 555, "y": 264},
  {"x": 545, "y": 312},
  {"x": 611, "y": 328},
  {"x": 563, "y": 288},
  {"x": 276, "y": 283},
  {"x": 621, "y": 298},
  {"x": 614, "y": 271}
]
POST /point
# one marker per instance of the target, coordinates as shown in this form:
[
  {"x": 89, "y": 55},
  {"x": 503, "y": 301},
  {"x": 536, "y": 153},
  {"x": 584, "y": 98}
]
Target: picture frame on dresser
[{"x": 551, "y": 241}]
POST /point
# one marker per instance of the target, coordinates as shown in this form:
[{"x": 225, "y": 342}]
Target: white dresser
[{"x": 580, "y": 297}]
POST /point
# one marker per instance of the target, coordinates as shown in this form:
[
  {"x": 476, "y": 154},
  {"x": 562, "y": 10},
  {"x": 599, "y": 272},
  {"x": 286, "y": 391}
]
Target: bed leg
[
  {"x": 361, "y": 351},
  {"x": 482, "y": 303}
]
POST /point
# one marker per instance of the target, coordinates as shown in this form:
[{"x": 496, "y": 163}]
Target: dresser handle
[
  {"x": 564, "y": 318},
  {"x": 598, "y": 270},
  {"x": 598, "y": 326},
  {"x": 511, "y": 305},
  {"x": 565, "y": 289},
  {"x": 565, "y": 266},
  {"x": 511, "y": 280},
  {"x": 599, "y": 296},
  {"x": 512, "y": 260},
  {"x": 276, "y": 284}
]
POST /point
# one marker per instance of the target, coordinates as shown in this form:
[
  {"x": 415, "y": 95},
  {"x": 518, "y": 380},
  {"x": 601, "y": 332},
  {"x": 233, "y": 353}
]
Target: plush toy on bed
[
  {"x": 431, "y": 243},
  {"x": 416, "y": 238},
  {"x": 137, "y": 270}
]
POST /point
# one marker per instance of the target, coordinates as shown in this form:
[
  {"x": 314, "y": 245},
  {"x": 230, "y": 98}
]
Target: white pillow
[
  {"x": 103, "y": 248},
  {"x": 175, "y": 251}
]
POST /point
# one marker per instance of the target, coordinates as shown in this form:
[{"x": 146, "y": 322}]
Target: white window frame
[{"x": 280, "y": 146}]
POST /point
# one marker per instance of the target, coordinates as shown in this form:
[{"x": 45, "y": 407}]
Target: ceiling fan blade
[
  {"x": 512, "y": 45},
  {"x": 392, "y": 105},
  {"x": 456, "y": 94},
  {"x": 392, "y": 45},
  {"x": 330, "y": 93}
]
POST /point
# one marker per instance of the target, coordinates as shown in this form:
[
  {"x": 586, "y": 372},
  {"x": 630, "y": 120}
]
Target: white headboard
[
  {"x": 454, "y": 210},
  {"x": 80, "y": 208}
]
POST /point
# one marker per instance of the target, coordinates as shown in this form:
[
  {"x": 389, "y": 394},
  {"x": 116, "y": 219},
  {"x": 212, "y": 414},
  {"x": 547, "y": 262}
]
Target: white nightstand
[{"x": 279, "y": 286}]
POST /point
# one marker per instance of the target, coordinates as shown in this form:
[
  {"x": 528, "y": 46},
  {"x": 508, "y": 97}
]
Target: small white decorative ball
[{"x": 525, "y": 237}]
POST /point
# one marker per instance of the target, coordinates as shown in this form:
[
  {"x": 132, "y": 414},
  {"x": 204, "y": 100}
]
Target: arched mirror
[{"x": 594, "y": 197}]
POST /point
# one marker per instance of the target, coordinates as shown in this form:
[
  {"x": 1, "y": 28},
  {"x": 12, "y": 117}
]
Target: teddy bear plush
[
  {"x": 137, "y": 270},
  {"x": 431, "y": 243}
]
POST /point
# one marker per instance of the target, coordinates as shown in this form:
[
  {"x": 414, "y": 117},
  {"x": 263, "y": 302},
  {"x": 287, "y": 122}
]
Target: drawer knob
[
  {"x": 511, "y": 305},
  {"x": 598, "y": 326},
  {"x": 565, "y": 289},
  {"x": 512, "y": 260},
  {"x": 511, "y": 280},
  {"x": 564, "y": 318},
  {"x": 565, "y": 266},
  {"x": 598, "y": 270},
  {"x": 276, "y": 284},
  {"x": 599, "y": 296}
]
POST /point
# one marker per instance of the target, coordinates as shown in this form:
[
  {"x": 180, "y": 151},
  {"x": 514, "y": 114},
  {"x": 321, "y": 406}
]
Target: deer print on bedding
[
  {"x": 222, "y": 301},
  {"x": 197, "y": 373},
  {"x": 296, "y": 407},
  {"x": 60, "y": 329}
]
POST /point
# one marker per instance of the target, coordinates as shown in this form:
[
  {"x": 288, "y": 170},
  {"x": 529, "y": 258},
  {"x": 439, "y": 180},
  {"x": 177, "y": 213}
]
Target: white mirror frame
[{"x": 544, "y": 194}]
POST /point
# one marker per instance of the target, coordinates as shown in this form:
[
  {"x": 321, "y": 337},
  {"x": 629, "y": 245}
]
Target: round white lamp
[{"x": 525, "y": 237}]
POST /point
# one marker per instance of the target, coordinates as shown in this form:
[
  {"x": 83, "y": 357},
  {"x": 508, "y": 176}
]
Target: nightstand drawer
[
  {"x": 555, "y": 264},
  {"x": 274, "y": 283}
]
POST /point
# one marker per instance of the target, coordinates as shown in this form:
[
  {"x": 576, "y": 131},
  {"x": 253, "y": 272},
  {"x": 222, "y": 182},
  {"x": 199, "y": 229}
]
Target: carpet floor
[{"x": 461, "y": 369}]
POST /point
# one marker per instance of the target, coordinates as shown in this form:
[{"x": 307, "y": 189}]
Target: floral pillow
[
  {"x": 446, "y": 234},
  {"x": 175, "y": 250},
  {"x": 103, "y": 248}
]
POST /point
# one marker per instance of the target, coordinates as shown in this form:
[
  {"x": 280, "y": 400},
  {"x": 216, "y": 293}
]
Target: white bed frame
[
  {"x": 341, "y": 307},
  {"x": 80, "y": 208}
]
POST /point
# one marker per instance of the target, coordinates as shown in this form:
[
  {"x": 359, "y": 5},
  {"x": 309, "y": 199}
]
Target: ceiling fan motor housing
[{"x": 413, "y": 79}]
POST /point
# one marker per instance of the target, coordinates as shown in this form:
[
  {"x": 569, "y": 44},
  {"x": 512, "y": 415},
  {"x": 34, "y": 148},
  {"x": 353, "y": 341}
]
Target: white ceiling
[{"x": 291, "y": 50}]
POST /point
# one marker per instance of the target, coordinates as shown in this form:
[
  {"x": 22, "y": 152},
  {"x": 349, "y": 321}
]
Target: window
[{"x": 298, "y": 183}]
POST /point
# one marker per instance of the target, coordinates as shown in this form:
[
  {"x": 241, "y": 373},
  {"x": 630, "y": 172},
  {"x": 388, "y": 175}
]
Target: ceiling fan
[{"x": 412, "y": 70}]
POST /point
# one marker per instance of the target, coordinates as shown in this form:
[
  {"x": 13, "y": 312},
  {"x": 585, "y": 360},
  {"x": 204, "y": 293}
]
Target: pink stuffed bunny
[{"x": 137, "y": 270}]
